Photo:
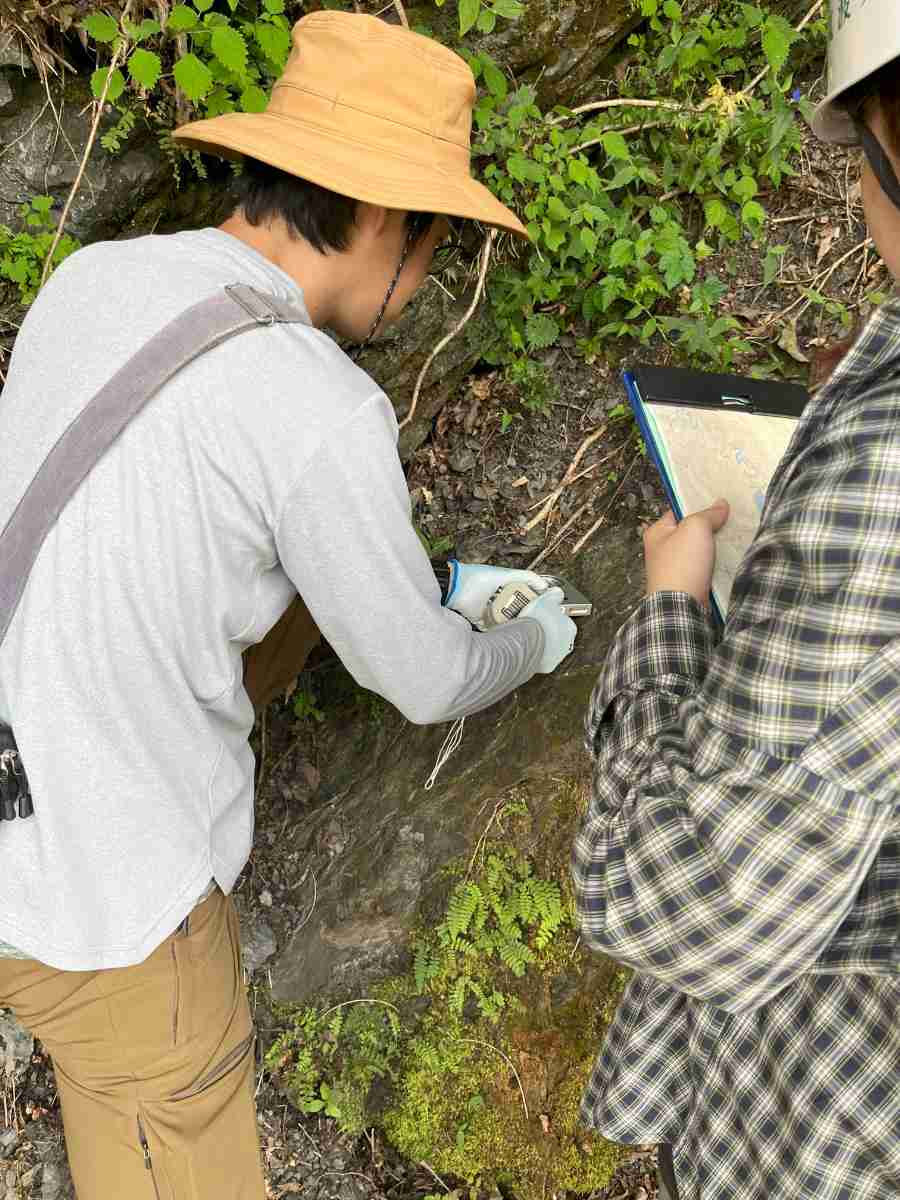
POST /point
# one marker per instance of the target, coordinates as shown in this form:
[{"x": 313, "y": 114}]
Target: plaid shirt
[{"x": 742, "y": 847}]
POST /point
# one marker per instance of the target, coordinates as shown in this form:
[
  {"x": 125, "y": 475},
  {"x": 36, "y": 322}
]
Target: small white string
[{"x": 452, "y": 743}]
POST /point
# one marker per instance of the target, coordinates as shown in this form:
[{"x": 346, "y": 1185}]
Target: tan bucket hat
[{"x": 368, "y": 110}]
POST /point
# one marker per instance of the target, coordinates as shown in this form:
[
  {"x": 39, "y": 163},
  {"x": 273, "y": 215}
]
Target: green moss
[{"x": 475, "y": 1059}]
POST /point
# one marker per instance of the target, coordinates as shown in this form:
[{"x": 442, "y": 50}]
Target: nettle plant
[
  {"x": 625, "y": 204},
  {"x": 24, "y": 252},
  {"x": 220, "y": 61},
  {"x": 482, "y": 15},
  {"x": 625, "y": 209}
]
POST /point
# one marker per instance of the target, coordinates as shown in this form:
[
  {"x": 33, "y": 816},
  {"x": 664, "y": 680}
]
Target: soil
[{"x": 476, "y": 484}]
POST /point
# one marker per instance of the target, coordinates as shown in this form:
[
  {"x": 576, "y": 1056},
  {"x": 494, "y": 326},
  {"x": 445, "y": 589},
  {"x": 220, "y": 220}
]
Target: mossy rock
[{"x": 475, "y": 1058}]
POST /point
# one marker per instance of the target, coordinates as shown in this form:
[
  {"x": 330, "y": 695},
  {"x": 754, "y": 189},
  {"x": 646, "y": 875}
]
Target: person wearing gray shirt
[{"x": 266, "y": 468}]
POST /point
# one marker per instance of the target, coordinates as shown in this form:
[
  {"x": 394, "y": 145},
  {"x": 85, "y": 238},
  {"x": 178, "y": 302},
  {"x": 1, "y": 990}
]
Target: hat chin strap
[{"x": 407, "y": 246}]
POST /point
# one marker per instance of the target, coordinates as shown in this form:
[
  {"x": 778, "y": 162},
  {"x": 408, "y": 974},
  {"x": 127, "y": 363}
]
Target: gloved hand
[
  {"x": 473, "y": 584},
  {"x": 559, "y": 628}
]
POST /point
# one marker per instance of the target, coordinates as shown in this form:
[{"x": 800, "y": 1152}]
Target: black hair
[{"x": 321, "y": 217}]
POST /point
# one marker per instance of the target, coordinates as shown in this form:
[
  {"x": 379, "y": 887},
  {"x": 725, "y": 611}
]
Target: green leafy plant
[
  {"x": 306, "y": 706},
  {"x": 482, "y": 15},
  {"x": 24, "y": 252},
  {"x": 220, "y": 58},
  {"x": 507, "y": 915},
  {"x": 625, "y": 210}
]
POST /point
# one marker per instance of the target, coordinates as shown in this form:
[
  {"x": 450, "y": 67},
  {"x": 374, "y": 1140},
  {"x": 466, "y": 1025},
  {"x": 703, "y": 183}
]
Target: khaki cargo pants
[{"x": 155, "y": 1063}]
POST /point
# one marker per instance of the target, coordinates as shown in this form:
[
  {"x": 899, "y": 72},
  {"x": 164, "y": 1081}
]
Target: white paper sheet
[{"x": 710, "y": 453}]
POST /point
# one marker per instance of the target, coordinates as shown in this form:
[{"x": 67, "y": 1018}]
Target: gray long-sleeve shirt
[{"x": 266, "y": 467}]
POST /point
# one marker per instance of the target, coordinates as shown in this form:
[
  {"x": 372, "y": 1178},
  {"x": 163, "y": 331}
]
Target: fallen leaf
[
  {"x": 826, "y": 241},
  {"x": 311, "y": 774},
  {"x": 520, "y": 482},
  {"x": 480, "y": 387},
  {"x": 788, "y": 343}
]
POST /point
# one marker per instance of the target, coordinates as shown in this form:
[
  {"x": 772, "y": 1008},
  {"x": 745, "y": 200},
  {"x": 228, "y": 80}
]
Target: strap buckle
[{"x": 253, "y": 303}]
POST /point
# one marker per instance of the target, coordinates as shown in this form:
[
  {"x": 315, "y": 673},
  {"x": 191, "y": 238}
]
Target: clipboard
[{"x": 710, "y": 435}]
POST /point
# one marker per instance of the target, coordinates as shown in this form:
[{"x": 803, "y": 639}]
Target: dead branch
[
  {"x": 596, "y": 525},
  {"x": 92, "y": 137},
  {"x": 548, "y": 504},
  {"x": 485, "y": 259}
]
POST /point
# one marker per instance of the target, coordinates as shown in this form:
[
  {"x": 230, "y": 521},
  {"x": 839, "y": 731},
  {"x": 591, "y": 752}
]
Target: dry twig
[
  {"x": 560, "y": 535},
  {"x": 401, "y": 12},
  {"x": 596, "y": 525},
  {"x": 485, "y": 259},
  {"x": 92, "y": 137},
  {"x": 548, "y": 504}
]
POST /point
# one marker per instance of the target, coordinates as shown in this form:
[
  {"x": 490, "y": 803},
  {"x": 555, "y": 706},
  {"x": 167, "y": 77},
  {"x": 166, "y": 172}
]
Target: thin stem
[{"x": 485, "y": 259}]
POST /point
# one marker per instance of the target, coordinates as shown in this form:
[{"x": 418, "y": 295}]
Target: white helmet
[{"x": 865, "y": 34}]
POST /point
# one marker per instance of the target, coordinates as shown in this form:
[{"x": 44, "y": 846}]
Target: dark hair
[
  {"x": 883, "y": 87},
  {"x": 323, "y": 218}
]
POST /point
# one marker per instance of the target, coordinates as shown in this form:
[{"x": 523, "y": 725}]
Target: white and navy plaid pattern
[{"x": 742, "y": 847}]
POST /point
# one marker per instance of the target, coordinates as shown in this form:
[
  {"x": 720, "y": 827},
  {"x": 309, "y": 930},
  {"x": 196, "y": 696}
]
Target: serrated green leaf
[
  {"x": 193, "y": 77},
  {"x": 116, "y": 84},
  {"x": 541, "y": 331},
  {"x": 139, "y": 33},
  {"x": 253, "y": 99},
  {"x": 777, "y": 38},
  {"x": 524, "y": 170},
  {"x": 753, "y": 214},
  {"x": 624, "y": 175},
  {"x": 218, "y": 101},
  {"x": 672, "y": 10},
  {"x": 615, "y": 145},
  {"x": 557, "y": 209},
  {"x": 181, "y": 18},
  {"x": 495, "y": 79},
  {"x": 273, "y": 41},
  {"x": 230, "y": 49},
  {"x": 589, "y": 240},
  {"x": 468, "y": 15},
  {"x": 578, "y": 171},
  {"x": 145, "y": 68},
  {"x": 621, "y": 252},
  {"x": 100, "y": 26},
  {"x": 487, "y": 21},
  {"x": 745, "y": 188},
  {"x": 273, "y": 6},
  {"x": 203, "y": 6},
  {"x": 716, "y": 213}
]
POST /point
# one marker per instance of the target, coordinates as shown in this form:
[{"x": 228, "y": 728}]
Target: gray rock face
[
  {"x": 257, "y": 939},
  {"x": 388, "y": 874},
  {"x": 16, "y": 1048},
  {"x": 43, "y": 158}
]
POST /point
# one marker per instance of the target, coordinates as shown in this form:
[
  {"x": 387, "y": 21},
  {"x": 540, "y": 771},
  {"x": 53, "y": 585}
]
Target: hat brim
[
  {"x": 833, "y": 124},
  {"x": 348, "y": 167}
]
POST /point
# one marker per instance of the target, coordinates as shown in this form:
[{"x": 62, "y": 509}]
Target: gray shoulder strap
[{"x": 201, "y": 327}]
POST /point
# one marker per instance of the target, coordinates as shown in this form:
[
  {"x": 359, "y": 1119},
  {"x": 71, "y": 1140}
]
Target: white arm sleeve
[{"x": 346, "y": 540}]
